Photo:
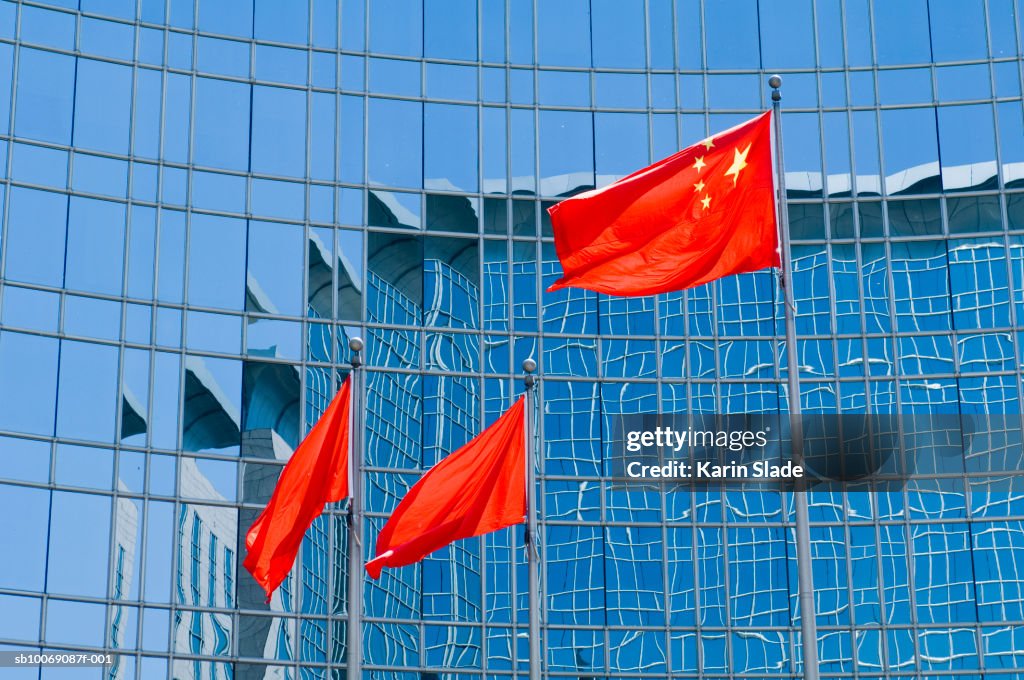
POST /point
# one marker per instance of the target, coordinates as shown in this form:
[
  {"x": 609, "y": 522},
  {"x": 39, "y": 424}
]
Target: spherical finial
[
  {"x": 775, "y": 81},
  {"x": 529, "y": 366},
  {"x": 355, "y": 344}
]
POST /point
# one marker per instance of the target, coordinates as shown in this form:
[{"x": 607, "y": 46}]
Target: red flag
[
  {"x": 478, "y": 489},
  {"x": 706, "y": 212},
  {"x": 317, "y": 473}
]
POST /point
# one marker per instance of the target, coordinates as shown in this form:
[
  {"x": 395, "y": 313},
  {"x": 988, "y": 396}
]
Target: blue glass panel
[
  {"x": 222, "y": 124},
  {"x": 35, "y": 237},
  {"x": 44, "y": 105},
  {"x": 563, "y": 33},
  {"x": 396, "y": 27},
  {"x": 617, "y": 29},
  {"x": 449, "y": 29}
]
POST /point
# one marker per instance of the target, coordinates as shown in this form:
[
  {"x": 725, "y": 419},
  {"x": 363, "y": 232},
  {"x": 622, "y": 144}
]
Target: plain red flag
[
  {"x": 478, "y": 489},
  {"x": 706, "y": 212},
  {"x": 317, "y": 473}
]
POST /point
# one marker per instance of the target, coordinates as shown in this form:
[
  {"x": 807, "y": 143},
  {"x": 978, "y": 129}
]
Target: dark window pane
[
  {"x": 806, "y": 220},
  {"x": 840, "y": 217},
  {"x": 452, "y": 213},
  {"x": 524, "y": 218},
  {"x": 915, "y": 218},
  {"x": 973, "y": 213},
  {"x": 871, "y": 224},
  {"x": 495, "y": 216}
]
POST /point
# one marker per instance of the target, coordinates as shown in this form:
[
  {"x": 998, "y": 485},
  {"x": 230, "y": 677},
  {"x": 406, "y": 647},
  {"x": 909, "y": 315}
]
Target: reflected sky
[{"x": 202, "y": 202}]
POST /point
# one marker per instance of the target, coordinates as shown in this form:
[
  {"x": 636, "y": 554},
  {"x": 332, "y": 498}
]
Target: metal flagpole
[
  {"x": 805, "y": 580},
  {"x": 532, "y": 545},
  {"x": 354, "y": 669}
]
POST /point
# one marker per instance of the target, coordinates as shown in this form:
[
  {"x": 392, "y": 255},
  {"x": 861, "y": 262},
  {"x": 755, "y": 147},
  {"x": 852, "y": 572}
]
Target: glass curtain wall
[{"x": 203, "y": 200}]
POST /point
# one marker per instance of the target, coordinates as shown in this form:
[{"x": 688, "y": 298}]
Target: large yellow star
[
  {"x": 739, "y": 161},
  {"x": 699, "y": 186},
  {"x": 706, "y": 201},
  {"x": 699, "y": 163}
]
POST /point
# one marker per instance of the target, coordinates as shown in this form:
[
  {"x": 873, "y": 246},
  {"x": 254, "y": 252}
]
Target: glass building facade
[{"x": 203, "y": 199}]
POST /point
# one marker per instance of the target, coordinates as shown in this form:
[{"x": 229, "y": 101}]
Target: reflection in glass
[
  {"x": 911, "y": 152},
  {"x": 967, "y": 140}
]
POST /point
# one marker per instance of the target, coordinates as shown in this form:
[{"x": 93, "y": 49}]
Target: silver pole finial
[
  {"x": 529, "y": 366},
  {"x": 355, "y": 343}
]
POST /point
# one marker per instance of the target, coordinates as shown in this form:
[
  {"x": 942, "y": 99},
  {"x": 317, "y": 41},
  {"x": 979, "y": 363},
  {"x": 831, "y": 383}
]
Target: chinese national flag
[
  {"x": 317, "y": 473},
  {"x": 478, "y": 489},
  {"x": 706, "y": 212}
]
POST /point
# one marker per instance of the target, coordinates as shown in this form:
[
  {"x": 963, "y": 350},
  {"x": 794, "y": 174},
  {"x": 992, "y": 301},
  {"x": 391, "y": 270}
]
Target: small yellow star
[
  {"x": 699, "y": 186},
  {"x": 708, "y": 143},
  {"x": 706, "y": 201},
  {"x": 699, "y": 163},
  {"x": 739, "y": 161}
]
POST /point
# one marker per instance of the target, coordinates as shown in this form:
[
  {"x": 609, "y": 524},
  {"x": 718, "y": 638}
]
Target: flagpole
[
  {"x": 805, "y": 579},
  {"x": 532, "y": 544},
  {"x": 354, "y": 668}
]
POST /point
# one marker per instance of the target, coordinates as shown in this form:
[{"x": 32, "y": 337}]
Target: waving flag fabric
[
  {"x": 478, "y": 489},
  {"x": 706, "y": 212},
  {"x": 317, "y": 473}
]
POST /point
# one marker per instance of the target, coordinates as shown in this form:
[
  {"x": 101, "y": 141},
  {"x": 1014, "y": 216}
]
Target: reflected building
[{"x": 201, "y": 204}]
